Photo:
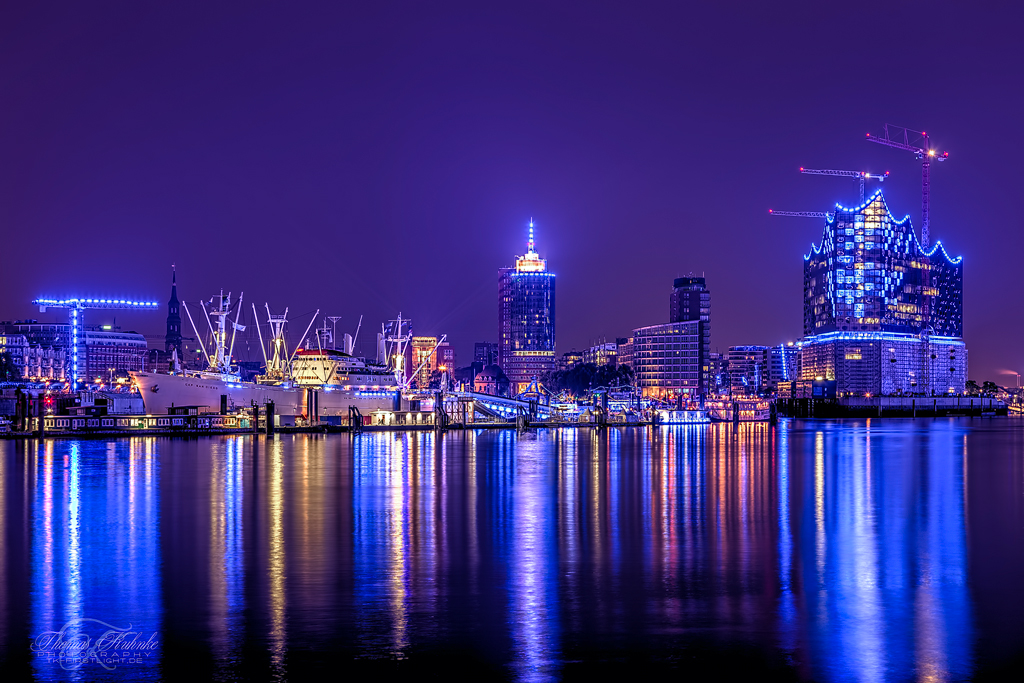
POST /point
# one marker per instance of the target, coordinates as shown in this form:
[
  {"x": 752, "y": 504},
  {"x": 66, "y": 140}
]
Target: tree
[
  {"x": 585, "y": 377},
  {"x": 989, "y": 388},
  {"x": 8, "y": 370},
  {"x": 972, "y": 388}
]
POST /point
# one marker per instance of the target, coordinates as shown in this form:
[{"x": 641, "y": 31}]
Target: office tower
[
  {"x": 882, "y": 314},
  {"x": 526, "y": 319}
]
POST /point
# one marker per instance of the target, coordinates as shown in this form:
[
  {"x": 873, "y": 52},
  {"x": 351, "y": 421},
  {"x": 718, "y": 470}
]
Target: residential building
[
  {"x": 748, "y": 370},
  {"x": 526, "y": 319},
  {"x": 667, "y": 360},
  {"x": 569, "y": 360},
  {"x": 605, "y": 353},
  {"x": 109, "y": 351},
  {"x": 690, "y": 300},
  {"x": 625, "y": 351}
]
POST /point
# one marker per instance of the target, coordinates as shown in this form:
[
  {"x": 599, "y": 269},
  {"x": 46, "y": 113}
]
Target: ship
[{"x": 329, "y": 381}]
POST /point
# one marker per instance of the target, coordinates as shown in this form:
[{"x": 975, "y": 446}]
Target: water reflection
[{"x": 831, "y": 551}]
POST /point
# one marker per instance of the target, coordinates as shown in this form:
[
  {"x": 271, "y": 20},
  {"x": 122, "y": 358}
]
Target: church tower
[{"x": 172, "y": 341}]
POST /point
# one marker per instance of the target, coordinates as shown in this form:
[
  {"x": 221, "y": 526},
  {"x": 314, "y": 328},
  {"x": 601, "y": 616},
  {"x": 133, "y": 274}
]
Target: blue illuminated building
[
  {"x": 882, "y": 314},
  {"x": 526, "y": 319}
]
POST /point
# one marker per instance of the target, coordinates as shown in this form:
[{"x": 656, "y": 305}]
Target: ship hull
[{"x": 162, "y": 392}]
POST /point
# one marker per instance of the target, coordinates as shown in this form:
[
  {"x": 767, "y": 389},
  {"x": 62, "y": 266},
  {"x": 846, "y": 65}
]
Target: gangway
[{"x": 499, "y": 407}]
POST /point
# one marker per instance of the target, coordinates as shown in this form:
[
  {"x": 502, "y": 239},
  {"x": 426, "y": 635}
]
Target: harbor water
[{"x": 867, "y": 550}]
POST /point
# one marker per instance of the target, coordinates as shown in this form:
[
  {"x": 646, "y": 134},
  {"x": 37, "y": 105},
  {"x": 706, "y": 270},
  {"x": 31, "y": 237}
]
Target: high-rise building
[
  {"x": 691, "y": 301},
  {"x": 882, "y": 314},
  {"x": 526, "y": 319},
  {"x": 172, "y": 341}
]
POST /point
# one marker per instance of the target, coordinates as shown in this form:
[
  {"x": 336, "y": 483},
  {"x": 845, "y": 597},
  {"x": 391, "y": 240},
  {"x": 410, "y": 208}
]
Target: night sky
[{"x": 371, "y": 158}]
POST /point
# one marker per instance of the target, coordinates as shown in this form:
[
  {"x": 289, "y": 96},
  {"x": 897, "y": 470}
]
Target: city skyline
[{"x": 366, "y": 168}]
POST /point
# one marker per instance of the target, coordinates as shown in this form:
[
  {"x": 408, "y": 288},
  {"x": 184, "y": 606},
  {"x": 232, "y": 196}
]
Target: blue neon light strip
[
  {"x": 875, "y": 336},
  {"x": 816, "y": 249},
  {"x": 78, "y": 302}
]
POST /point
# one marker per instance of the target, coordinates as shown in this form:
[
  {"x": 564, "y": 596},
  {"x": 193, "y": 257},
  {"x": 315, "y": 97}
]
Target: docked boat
[
  {"x": 741, "y": 409},
  {"x": 683, "y": 417},
  {"x": 329, "y": 380}
]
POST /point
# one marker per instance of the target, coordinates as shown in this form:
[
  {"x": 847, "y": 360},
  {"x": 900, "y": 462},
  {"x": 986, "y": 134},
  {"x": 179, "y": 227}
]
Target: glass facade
[
  {"x": 667, "y": 359},
  {"x": 526, "y": 325},
  {"x": 882, "y": 315},
  {"x": 871, "y": 273}
]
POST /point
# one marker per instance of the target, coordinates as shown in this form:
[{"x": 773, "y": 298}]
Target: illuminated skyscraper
[
  {"x": 526, "y": 318},
  {"x": 882, "y": 314}
]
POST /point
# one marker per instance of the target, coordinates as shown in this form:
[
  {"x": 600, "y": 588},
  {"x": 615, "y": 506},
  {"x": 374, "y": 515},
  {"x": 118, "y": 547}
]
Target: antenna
[{"x": 334, "y": 330}]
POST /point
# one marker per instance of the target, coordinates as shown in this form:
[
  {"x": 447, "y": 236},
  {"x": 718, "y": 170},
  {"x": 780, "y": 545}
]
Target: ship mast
[{"x": 397, "y": 333}]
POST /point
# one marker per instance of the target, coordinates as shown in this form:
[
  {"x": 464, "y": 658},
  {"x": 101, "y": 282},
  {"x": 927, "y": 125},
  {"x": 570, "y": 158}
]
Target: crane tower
[
  {"x": 76, "y": 318},
  {"x": 919, "y": 143}
]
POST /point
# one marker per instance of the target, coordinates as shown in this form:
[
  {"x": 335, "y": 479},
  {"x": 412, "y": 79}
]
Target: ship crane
[
  {"x": 919, "y": 143},
  {"x": 77, "y": 320},
  {"x": 860, "y": 175}
]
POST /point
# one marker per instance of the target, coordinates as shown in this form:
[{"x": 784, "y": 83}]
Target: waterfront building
[
  {"x": 748, "y": 370},
  {"x": 485, "y": 353},
  {"x": 40, "y": 334},
  {"x": 172, "y": 340},
  {"x": 625, "y": 351},
  {"x": 445, "y": 356},
  {"x": 718, "y": 376},
  {"x": 691, "y": 301},
  {"x": 34, "y": 361},
  {"x": 783, "y": 364},
  {"x": 110, "y": 351},
  {"x": 569, "y": 360},
  {"x": 882, "y": 314},
  {"x": 667, "y": 360},
  {"x": 605, "y": 353},
  {"x": 423, "y": 361},
  {"x": 526, "y": 319}
]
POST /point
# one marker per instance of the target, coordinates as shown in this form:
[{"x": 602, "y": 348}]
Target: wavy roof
[{"x": 877, "y": 196}]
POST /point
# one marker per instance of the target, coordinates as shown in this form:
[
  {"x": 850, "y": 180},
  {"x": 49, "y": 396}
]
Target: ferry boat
[
  {"x": 683, "y": 417},
  {"x": 334, "y": 381},
  {"x": 749, "y": 409}
]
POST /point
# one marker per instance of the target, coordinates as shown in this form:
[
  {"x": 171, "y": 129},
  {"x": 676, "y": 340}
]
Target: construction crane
[
  {"x": 801, "y": 214},
  {"x": 919, "y": 143},
  {"x": 861, "y": 175},
  {"x": 76, "y": 318}
]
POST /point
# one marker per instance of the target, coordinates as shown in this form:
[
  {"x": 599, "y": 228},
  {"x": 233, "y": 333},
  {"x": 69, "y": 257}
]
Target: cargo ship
[{"x": 332, "y": 381}]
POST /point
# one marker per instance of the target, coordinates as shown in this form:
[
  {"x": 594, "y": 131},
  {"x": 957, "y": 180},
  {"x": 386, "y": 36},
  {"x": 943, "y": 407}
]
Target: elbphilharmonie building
[{"x": 883, "y": 314}]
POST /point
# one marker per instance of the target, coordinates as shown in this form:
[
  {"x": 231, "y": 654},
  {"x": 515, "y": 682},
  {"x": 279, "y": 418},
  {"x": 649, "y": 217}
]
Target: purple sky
[{"x": 365, "y": 158}]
